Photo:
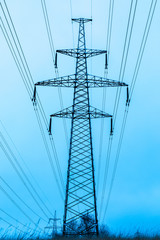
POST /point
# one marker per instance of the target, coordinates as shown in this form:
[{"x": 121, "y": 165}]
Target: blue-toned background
[{"x": 135, "y": 198}]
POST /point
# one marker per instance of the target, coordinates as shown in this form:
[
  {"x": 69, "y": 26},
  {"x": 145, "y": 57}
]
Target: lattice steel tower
[{"x": 80, "y": 213}]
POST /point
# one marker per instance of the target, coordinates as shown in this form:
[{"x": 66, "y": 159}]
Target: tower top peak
[{"x": 84, "y": 20}]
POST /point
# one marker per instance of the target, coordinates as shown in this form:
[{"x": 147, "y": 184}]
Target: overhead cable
[
  {"x": 137, "y": 67},
  {"x": 108, "y": 44},
  {"x": 16, "y": 220},
  {"x": 20, "y": 199},
  {"x": 20, "y": 209},
  {"x": 25, "y": 62},
  {"x": 49, "y": 33},
  {"x": 25, "y": 164},
  {"x": 130, "y": 24},
  {"x": 20, "y": 176}
]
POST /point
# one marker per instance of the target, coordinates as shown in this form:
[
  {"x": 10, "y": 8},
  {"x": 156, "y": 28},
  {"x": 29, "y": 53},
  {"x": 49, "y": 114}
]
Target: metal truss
[
  {"x": 81, "y": 113},
  {"x": 70, "y": 81},
  {"x": 80, "y": 212},
  {"x": 77, "y": 53}
]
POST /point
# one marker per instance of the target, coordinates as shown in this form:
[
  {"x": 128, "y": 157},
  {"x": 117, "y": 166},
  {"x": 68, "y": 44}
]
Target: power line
[
  {"x": 6, "y": 36},
  {"x": 91, "y": 60},
  {"x": 0, "y": 133},
  {"x": 24, "y": 63},
  {"x": 91, "y": 8},
  {"x": 36, "y": 182},
  {"x": 101, "y": 139},
  {"x": 50, "y": 38},
  {"x": 109, "y": 28},
  {"x": 11, "y": 225},
  {"x": 125, "y": 54},
  {"x": 123, "y": 62},
  {"x": 13, "y": 218},
  {"x": 106, "y": 170},
  {"x": 20, "y": 209},
  {"x": 49, "y": 155},
  {"x": 12, "y": 50},
  {"x": 20, "y": 176},
  {"x": 23, "y": 172},
  {"x": 49, "y": 33},
  {"x": 23, "y": 58},
  {"x": 108, "y": 44},
  {"x": 16, "y": 45},
  {"x": 116, "y": 161},
  {"x": 127, "y": 41},
  {"x": 56, "y": 159},
  {"x": 21, "y": 200},
  {"x": 71, "y": 11},
  {"x": 53, "y": 147},
  {"x": 29, "y": 75},
  {"x": 143, "y": 44},
  {"x": 137, "y": 67},
  {"x": 39, "y": 105},
  {"x": 138, "y": 63}
]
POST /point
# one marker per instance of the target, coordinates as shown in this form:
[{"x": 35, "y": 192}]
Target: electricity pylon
[
  {"x": 54, "y": 227},
  {"x": 80, "y": 213}
]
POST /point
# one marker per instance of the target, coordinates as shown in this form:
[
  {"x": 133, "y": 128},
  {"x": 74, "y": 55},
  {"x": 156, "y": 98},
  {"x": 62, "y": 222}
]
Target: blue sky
[{"x": 135, "y": 197}]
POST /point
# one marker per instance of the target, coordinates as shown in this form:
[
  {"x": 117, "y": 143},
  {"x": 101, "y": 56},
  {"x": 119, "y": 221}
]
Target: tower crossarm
[
  {"x": 95, "y": 81},
  {"x": 66, "y": 81},
  {"x": 81, "y": 52},
  {"x": 81, "y": 113},
  {"x": 70, "y": 81}
]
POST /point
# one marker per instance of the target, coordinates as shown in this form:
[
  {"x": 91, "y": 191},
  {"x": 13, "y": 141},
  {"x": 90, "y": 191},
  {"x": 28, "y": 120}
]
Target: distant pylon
[
  {"x": 80, "y": 213},
  {"x": 54, "y": 227}
]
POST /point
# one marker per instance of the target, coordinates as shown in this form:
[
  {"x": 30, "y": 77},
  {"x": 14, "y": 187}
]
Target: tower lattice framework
[{"x": 80, "y": 212}]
